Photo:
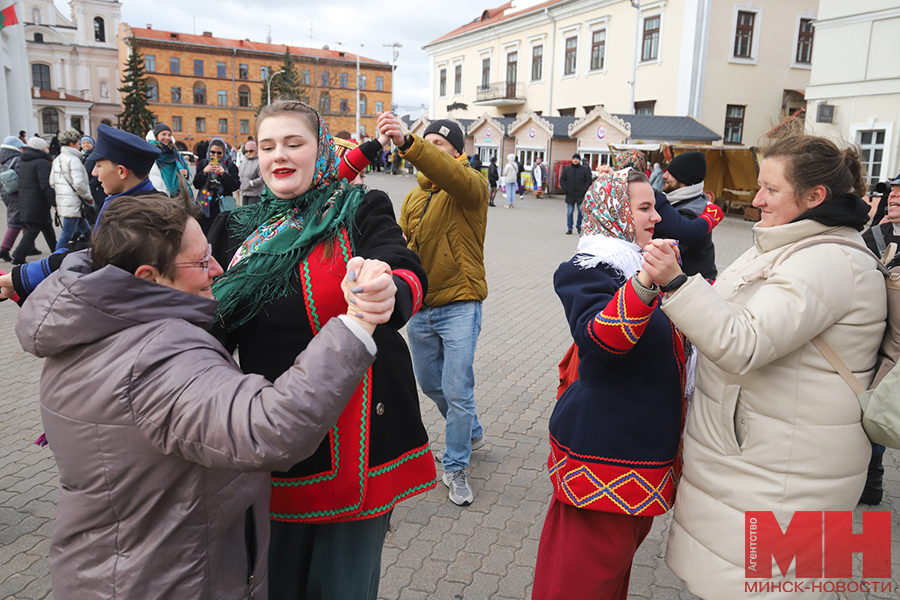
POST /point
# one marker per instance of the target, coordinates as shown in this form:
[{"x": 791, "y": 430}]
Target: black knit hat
[
  {"x": 688, "y": 168},
  {"x": 160, "y": 127},
  {"x": 450, "y": 131}
]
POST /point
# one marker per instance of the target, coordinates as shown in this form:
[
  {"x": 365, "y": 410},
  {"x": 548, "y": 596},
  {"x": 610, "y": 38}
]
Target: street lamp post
[
  {"x": 269, "y": 86},
  {"x": 358, "y": 134},
  {"x": 394, "y": 55},
  {"x": 637, "y": 46}
]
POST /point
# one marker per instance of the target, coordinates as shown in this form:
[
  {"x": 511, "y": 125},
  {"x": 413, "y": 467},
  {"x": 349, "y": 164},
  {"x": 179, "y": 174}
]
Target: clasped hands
[
  {"x": 369, "y": 290},
  {"x": 661, "y": 262}
]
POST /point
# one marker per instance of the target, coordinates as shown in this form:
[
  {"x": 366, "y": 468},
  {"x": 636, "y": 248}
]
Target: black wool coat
[{"x": 36, "y": 195}]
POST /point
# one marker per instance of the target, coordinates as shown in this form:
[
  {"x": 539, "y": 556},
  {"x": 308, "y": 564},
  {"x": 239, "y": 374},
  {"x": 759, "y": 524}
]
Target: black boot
[
  {"x": 874, "y": 491},
  {"x": 4, "y": 255}
]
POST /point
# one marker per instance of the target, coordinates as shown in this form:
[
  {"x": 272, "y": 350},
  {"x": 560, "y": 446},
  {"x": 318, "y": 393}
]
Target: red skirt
[{"x": 586, "y": 553}]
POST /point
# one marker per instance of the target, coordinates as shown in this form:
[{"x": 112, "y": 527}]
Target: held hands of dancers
[
  {"x": 662, "y": 261},
  {"x": 369, "y": 289}
]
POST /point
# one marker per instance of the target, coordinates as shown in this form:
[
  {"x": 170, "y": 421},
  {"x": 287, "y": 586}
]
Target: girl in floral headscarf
[
  {"x": 286, "y": 257},
  {"x": 615, "y": 432}
]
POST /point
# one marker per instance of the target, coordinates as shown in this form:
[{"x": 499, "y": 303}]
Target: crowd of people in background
[{"x": 278, "y": 477}]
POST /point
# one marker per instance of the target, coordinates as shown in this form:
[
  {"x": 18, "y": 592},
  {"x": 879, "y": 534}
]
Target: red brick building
[{"x": 205, "y": 86}]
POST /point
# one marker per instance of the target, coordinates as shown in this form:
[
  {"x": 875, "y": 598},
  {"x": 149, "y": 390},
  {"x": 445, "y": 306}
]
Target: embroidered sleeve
[{"x": 619, "y": 326}]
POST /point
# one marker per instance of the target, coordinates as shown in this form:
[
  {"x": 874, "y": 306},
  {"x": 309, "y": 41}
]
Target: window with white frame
[
  {"x": 457, "y": 79},
  {"x": 528, "y": 156},
  {"x": 485, "y": 73},
  {"x": 598, "y": 50},
  {"x": 872, "y": 145},
  {"x": 803, "y": 55},
  {"x": 650, "y": 47},
  {"x": 537, "y": 62},
  {"x": 486, "y": 153},
  {"x": 734, "y": 124},
  {"x": 595, "y": 158},
  {"x": 747, "y": 22},
  {"x": 571, "y": 55},
  {"x": 442, "y": 82}
]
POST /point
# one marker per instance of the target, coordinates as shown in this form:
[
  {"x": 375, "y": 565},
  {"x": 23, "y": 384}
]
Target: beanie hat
[
  {"x": 251, "y": 145},
  {"x": 576, "y": 155},
  {"x": 449, "y": 131},
  {"x": 38, "y": 144},
  {"x": 90, "y": 139},
  {"x": 160, "y": 127},
  {"x": 13, "y": 141},
  {"x": 688, "y": 168}
]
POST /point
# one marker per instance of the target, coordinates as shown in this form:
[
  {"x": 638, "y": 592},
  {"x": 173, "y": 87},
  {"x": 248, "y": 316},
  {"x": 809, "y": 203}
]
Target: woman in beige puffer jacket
[{"x": 773, "y": 427}]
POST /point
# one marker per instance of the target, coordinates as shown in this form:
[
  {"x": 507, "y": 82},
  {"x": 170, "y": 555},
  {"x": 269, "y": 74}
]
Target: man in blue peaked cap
[{"x": 122, "y": 163}]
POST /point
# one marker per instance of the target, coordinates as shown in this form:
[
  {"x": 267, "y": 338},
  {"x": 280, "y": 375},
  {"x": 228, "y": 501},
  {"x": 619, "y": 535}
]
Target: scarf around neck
[
  {"x": 278, "y": 234},
  {"x": 688, "y": 192},
  {"x": 169, "y": 162},
  {"x": 608, "y": 227}
]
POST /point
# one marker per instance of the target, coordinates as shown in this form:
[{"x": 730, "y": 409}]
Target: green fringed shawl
[{"x": 265, "y": 275}]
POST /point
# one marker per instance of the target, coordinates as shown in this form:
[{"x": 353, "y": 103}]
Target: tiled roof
[
  {"x": 54, "y": 95},
  {"x": 658, "y": 127},
  {"x": 560, "y": 126},
  {"x": 217, "y": 42},
  {"x": 491, "y": 17}
]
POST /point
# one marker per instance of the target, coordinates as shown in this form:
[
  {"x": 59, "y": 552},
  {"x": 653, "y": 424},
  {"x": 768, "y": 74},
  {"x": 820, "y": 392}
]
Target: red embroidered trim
[
  {"x": 569, "y": 451},
  {"x": 414, "y": 284},
  {"x": 611, "y": 488},
  {"x": 619, "y": 326}
]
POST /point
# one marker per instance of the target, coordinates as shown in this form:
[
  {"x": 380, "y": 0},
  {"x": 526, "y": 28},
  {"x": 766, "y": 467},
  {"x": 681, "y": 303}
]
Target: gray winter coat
[
  {"x": 8, "y": 156},
  {"x": 252, "y": 183},
  {"x": 163, "y": 445}
]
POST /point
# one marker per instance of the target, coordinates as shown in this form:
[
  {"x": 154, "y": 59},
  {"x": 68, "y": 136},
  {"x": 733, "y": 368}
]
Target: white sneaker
[
  {"x": 460, "y": 491},
  {"x": 477, "y": 443}
]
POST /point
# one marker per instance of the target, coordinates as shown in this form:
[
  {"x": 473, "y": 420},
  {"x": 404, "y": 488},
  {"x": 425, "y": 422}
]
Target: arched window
[
  {"x": 40, "y": 76},
  {"x": 50, "y": 121},
  {"x": 199, "y": 93},
  {"x": 36, "y": 15},
  {"x": 99, "y": 30},
  {"x": 244, "y": 96},
  {"x": 324, "y": 102},
  {"x": 363, "y": 104},
  {"x": 153, "y": 91}
]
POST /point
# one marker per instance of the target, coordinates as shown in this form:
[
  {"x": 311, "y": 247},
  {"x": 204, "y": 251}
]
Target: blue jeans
[
  {"x": 69, "y": 226},
  {"x": 570, "y": 208},
  {"x": 442, "y": 341},
  {"x": 510, "y": 193}
]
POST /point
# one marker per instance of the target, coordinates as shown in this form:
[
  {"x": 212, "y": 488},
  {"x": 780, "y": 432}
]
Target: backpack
[
  {"x": 9, "y": 179},
  {"x": 880, "y": 404}
]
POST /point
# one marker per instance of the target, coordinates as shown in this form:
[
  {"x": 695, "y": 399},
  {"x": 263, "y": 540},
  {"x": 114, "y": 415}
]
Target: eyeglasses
[
  {"x": 211, "y": 153},
  {"x": 203, "y": 264}
]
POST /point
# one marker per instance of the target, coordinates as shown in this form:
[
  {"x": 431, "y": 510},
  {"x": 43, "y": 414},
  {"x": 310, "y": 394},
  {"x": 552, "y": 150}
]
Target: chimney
[
  {"x": 62, "y": 93},
  {"x": 37, "y": 91},
  {"x": 149, "y": 26},
  {"x": 207, "y": 33}
]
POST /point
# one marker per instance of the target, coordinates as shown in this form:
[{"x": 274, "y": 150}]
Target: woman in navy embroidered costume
[
  {"x": 615, "y": 432},
  {"x": 286, "y": 256}
]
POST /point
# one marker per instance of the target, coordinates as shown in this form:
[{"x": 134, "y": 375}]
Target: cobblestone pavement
[{"x": 434, "y": 549}]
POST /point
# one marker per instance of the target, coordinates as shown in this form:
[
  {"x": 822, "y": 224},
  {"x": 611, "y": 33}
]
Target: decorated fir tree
[{"x": 135, "y": 116}]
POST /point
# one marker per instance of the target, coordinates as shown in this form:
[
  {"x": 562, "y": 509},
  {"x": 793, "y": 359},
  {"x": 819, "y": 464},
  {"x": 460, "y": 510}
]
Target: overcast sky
[{"x": 413, "y": 24}]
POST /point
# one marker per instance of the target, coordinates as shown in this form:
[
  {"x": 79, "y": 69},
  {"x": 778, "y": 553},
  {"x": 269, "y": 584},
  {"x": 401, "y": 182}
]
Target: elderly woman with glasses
[{"x": 217, "y": 180}]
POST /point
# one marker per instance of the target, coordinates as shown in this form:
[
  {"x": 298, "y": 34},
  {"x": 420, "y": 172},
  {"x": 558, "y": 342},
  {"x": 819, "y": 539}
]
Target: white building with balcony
[
  {"x": 737, "y": 67},
  {"x": 854, "y": 88},
  {"x": 73, "y": 64}
]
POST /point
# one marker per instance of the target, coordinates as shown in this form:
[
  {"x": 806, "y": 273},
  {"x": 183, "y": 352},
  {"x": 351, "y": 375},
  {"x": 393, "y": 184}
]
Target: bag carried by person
[
  {"x": 880, "y": 404},
  {"x": 9, "y": 178}
]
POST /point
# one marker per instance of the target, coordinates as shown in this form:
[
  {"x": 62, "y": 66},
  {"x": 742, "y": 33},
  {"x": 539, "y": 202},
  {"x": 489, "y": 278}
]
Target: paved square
[{"x": 434, "y": 549}]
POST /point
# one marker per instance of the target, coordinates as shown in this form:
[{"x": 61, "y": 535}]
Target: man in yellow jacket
[{"x": 444, "y": 220}]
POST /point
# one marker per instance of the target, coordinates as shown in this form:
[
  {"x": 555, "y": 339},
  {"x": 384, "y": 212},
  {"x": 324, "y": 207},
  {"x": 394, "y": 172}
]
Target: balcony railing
[{"x": 501, "y": 90}]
